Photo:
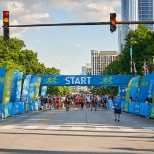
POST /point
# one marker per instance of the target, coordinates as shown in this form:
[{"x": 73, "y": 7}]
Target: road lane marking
[
  {"x": 53, "y": 127},
  {"x": 30, "y": 127},
  {"x": 126, "y": 129},
  {"x": 77, "y": 128},
  {"x": 7, "y": 127},
  {"x": 101, "y": 128},
  {"x": 48, "y": 116}
]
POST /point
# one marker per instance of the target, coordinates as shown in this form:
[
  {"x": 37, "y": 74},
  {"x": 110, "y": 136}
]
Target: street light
[{"x": 131, "y": 55}]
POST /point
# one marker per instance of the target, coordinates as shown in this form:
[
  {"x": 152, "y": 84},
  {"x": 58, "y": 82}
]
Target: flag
[
  {"x": 37, "y": 89},
  {"x": 153, "y": 65},
  {"x": 135, "y": 71},
  {"x": 19, "y": 85},
  {"x": 8, "y": 85},
  {"x": 2, "y": 76},
  {"x": 26, "y": 86},
  {"x": 44, "y": 90},
  {"x": 14, "y": 86},
  {"x": 146, "y": 71}
]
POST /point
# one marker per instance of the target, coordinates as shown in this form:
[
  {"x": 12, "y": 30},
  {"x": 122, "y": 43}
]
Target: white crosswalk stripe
[
  {"x": 102, "y": 128},
  {"x": 7, "y": 127},
  {"x": 53, "y": 127},
  {"x": 30, "y": 127},
  {"x": 76, "y": 128},
  {"x": 126, "y": 129}
]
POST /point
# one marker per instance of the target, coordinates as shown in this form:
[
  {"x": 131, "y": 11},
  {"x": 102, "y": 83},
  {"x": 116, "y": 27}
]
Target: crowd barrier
[
  {"x": 11, "y": 109},
  {"x": 139, "y": 108}
]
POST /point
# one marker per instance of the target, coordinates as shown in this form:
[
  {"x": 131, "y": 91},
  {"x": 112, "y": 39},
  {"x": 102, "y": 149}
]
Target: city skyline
[{"x": 135, "y": 10}]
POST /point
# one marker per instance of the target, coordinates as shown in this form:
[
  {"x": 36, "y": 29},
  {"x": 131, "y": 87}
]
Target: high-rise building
[
  {"x": 135, "y": 10},
  {"x": 146, "y": 11},
  {"x": 100, "y": 60},
  {"x": 86, "y": 69}
]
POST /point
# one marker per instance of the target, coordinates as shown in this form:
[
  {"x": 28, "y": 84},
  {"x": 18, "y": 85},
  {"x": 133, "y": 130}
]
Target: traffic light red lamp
[
  {"x": 113, "y": 22},
  {"x": 6, "y": 25}
]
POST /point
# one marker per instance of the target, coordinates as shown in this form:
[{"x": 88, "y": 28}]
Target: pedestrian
[
  {"x": 94, "y": 103},
  {"x": 117, "y": 107},
  {"x": 67, "y": 102}
]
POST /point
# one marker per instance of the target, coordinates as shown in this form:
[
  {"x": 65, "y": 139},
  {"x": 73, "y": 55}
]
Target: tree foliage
[
  {"x": 13, "y": 54},
  {"x": 142, "y": 42}
]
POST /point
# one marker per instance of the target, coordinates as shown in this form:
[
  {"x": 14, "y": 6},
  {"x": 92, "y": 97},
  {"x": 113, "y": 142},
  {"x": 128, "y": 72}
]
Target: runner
[
  {"x": 88, "y": 101},
  {"x": 94, "y": 103},
  {"x": 77, "y": 101},
  {"x": 81, "y": 99},
  {"x": 67, "y": 102},
  {"x": 117, "y": 107}
]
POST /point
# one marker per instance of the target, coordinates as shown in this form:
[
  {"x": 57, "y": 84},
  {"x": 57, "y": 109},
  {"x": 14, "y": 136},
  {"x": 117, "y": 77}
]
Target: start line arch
[{"x": 85, "y": 80}]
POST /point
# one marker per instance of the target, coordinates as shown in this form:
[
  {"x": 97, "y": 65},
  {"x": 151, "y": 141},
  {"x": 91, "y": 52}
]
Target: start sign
[{"x": 85, "y": 80}]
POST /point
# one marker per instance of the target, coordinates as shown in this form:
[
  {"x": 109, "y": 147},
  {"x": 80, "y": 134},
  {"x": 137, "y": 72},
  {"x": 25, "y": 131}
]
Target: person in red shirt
[
  {"x": 58, "y": 102},
  {"x": 77, "y": 101}
]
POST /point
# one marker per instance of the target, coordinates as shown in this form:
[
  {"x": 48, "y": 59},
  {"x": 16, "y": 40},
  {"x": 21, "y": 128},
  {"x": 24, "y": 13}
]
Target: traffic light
[
  {"x": 113, "y": 22},
  {"x": 6, "y": 25}
]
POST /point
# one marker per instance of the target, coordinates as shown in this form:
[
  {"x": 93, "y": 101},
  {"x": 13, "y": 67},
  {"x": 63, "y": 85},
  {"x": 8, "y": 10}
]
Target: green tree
[{"x": 142, "y": 40}]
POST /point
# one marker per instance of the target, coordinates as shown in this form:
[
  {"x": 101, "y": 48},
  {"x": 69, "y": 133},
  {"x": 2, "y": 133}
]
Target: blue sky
[{"x": 67, "y": 48}]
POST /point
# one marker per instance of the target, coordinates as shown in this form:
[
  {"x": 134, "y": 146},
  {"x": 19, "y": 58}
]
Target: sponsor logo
[
  {"x": 107, "y": 80},
  {"x": 51, "y": 80}
]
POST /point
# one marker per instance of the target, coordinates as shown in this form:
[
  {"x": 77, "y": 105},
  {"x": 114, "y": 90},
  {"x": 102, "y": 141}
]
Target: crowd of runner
[{"x": 74, "y": 101}]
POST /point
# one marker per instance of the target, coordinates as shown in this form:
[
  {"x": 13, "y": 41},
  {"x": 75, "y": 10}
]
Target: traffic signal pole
[{"x": 86, "y": 23}]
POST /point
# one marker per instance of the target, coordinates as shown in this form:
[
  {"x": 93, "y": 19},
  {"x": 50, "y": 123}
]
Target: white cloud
[
  {"x": 35, "y": 12},
  {"x": 37, "y": 40},
  {"x": 78, "y": 45},
  {"x": 64, "y": 72},
  {"x": 53, "y": 62}
]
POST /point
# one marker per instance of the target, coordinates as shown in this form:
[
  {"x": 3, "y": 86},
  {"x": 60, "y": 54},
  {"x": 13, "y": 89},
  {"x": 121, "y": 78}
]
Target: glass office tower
[
  {"x": 135, "y": 10},
  {"x": 146, "y": 11}
]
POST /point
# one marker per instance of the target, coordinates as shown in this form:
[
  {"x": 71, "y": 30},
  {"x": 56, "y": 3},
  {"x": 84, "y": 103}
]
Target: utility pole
[
  {"x": 131, "y": 54},
  {"x": 131, "y": 59}
]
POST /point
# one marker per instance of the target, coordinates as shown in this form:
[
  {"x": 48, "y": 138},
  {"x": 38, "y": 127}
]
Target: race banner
[
  {"x": 134, "y": 87},
  {"x": 85, "y": 80},
  {"x": 123, "y": 92},
  {"x": 18, "y": 89},
  {"x": 128, "y": 90},
  {"x": 25, "y": 89},
  {"x": 43, "y": 90},
  {"x": 14, "y": 86},
  {"x": 2, "y": 76},
  {"x": 36, "y": 92},
  {"x": 8, "y": 85},
  {"x": 151, "y": 86},
  {"x": 144, "y": 88},
  {"x": 32, "y": 87}
]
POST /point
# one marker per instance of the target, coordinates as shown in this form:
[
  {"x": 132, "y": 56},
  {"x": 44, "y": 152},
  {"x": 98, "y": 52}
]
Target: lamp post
[
  {"x": 131, "y": 59},
  {"x": 131, "y": 55}
]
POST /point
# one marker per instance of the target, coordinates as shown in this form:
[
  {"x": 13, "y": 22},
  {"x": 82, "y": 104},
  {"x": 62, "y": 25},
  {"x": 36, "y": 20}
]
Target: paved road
[{"x": 76, "y": 131}]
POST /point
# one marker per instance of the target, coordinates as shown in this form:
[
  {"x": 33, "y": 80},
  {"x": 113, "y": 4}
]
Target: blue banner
[
  {"x": 43, "y": 91},
  {"x": 134, "y": 87},
  {"x": 85, "y": 80},
  {"x": 151, "y": 86},
  {"x": 33, "y": 87},
  {"x": 26, "y": 85},
  {"x": 14, "y": 86},
  {"x": 137, "y": 108},
  {"x": 18, "y": 89},
  {"x": 144, "y": 88},
  {"x": 2, "y": 75},
  {"x": 123, "y": 92}
]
